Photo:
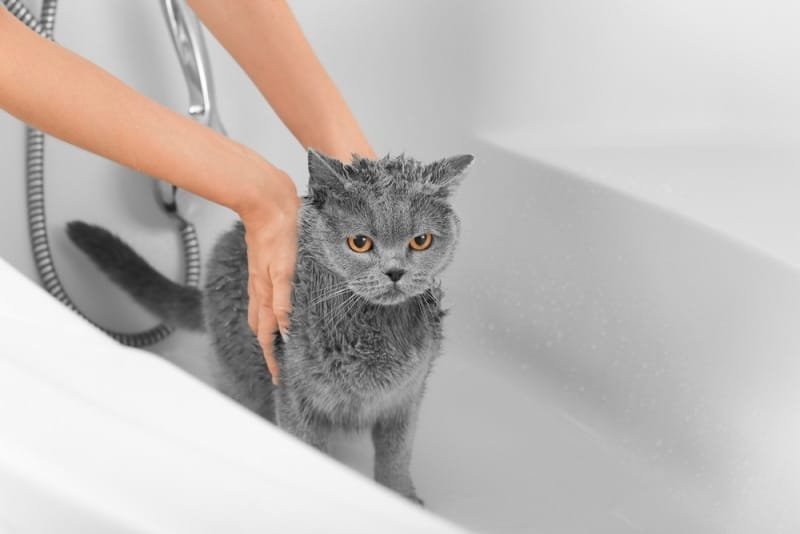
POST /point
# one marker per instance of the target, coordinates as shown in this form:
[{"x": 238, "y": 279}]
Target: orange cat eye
[
  {"x": 421, "y": 242},
  {"x": 359, "y": 243}
]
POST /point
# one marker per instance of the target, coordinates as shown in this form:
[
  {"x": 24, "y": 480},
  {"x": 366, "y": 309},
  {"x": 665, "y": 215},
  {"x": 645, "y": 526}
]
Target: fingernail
[{"x": 285, "y": 335}]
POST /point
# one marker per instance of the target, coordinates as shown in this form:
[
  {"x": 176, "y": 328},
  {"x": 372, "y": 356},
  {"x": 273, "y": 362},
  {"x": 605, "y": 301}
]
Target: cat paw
[{"x": 413, "y": 498}]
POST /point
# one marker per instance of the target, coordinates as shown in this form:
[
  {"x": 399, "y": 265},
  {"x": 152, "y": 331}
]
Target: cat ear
[
  {"x": 325, "y": 174},
  {"x": 447, "y": 173}
]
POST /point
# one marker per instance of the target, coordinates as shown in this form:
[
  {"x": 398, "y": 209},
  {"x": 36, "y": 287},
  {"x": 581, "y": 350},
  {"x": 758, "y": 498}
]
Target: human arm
[
  {"x": 66, "y": 96},
  {"x": 267, "y": 41}
]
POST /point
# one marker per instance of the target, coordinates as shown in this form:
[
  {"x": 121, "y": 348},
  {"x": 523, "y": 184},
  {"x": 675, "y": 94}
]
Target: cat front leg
[
  {"x": 290, "y": 419},
  {"x": 393, "y": 438}
]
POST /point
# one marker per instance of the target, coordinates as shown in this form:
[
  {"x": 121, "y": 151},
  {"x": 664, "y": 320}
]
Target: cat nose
[{"x": 395, "y": 274}]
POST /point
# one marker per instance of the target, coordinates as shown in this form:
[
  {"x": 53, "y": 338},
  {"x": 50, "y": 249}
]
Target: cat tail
[{"x": 177, "y": 305}]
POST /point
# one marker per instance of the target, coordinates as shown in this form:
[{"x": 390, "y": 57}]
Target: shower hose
[{"x": 34, "y": 169}]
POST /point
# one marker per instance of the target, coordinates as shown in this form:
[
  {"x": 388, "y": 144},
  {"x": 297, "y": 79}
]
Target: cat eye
[
  {"x": 421, "y": 242},
  {"x": 359, "y": 243}
]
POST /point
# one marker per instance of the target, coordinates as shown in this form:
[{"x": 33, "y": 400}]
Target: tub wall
[{"x": 655, "y": 335}]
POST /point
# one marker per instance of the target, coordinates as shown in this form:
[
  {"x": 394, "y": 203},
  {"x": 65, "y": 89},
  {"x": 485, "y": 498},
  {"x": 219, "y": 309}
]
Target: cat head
[{"x": 385, "y": 226}]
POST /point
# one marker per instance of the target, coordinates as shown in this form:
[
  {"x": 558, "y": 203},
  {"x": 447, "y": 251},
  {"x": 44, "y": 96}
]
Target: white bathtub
[
  {"x": 95, "y": 437},
  {"x": 624, "y": 351},
  {"x": 615, "y": 362},
  {"x": 622, "y": 354}
]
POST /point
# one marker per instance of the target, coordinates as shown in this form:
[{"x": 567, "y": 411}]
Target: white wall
[
  {"x": 422, "y": 76},
  {"x": 667, "y": 71}
]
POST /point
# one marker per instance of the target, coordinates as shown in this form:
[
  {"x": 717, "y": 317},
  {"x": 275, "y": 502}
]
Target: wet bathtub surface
[{"x": 497, "y": 455}]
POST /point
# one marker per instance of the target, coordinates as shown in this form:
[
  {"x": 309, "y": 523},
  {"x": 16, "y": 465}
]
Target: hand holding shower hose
[{"x": 76, "y": 101}]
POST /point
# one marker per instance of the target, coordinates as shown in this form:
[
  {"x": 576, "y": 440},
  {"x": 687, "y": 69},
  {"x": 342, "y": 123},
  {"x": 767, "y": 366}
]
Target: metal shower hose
[{"x": 34, "y": 164}]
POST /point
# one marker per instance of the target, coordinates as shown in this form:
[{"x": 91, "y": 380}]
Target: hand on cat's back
[{"x": 271, "y": 237}]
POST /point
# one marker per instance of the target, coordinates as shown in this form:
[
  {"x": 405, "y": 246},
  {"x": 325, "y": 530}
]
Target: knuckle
[
  {"x": 282, "y": 310},
  {"x": 265, "y": 340},
  {"x": 265, "y": 315}
]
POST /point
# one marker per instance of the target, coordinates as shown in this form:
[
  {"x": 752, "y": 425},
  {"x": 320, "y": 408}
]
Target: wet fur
[{"x": 355, "y": 358}]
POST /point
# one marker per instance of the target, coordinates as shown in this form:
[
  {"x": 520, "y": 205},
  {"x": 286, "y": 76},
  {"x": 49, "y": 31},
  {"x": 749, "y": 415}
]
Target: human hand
[{"x": 270, "y": 223}]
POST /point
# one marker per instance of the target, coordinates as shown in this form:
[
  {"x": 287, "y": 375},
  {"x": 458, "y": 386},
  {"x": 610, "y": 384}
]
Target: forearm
[
  {"x": 66, "y": 96},
  {"x": 268, "y": 43}
]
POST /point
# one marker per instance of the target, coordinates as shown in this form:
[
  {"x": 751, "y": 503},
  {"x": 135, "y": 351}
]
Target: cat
[{"x": 366, "y": 320}]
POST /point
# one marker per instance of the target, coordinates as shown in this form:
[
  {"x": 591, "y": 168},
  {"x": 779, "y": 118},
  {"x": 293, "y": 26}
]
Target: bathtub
[
  {"x": 624, "y": 348},
  {"x": 621, "y": 356},
  {"x": 622, "y": 353},
  {"x": 95, "y": 437}
]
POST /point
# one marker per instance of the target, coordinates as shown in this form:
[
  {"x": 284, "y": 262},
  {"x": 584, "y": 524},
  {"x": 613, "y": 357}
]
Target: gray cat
[{"x": 366, "y": 322}]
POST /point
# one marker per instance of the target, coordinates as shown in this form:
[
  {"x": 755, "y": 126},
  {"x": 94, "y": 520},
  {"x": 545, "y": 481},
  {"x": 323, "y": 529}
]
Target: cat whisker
[
  {"x": 428, "y": 307},
  {"x": 329, "y": 288},
  {"x": 423, "y": 307},
  {"x": 351, "y": 303},
  {"x": 332, "y": 306},
  {"x": 336, "y": 315},
  {"x": 332, "y": 309},
  {"x": 329, "y": 295}
]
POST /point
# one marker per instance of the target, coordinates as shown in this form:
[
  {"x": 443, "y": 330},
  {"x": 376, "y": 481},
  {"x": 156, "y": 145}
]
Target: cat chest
[
  {"x": 357, "y": 384},
  {"x": 361, "y": 362},
  {"x": 378, "y": 362},
  {"x": 357, "y": 401}
]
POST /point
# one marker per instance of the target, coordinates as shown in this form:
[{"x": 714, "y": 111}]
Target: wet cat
[{"x": 366, "y": 322}]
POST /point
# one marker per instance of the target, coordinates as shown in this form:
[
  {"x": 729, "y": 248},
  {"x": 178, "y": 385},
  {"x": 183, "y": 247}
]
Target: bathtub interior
[
  {"x": 610, "y": 365},
  {"x": 97, "y": 437},
  {"x": 621, "y": 352}
]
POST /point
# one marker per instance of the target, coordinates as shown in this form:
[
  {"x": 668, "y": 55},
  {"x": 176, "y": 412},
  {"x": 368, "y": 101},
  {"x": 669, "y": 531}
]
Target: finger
[
  {"x": 266, "y": 337},
  {"x": 282, "y": 299},
  {"x": 252, "y": 305}
]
